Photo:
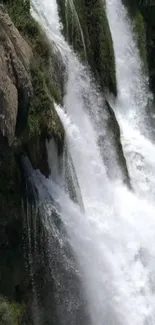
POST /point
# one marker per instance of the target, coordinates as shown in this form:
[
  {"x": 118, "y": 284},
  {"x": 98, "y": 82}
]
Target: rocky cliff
[
  {"x": 30, "y": 83},
  {"x": 86, "y": 28},
  {"x": 147, "y": 9},
  {"x": 143, "y": 13}
]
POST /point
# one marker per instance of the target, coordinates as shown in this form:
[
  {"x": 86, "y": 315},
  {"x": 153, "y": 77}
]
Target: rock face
[
  {"x": 15, "y": 82},
  {"x": 112, "y": 150},
  {"x": 147, "y": 9},
  {"x": 86, "y": 28},
  {"x": 27, "y": 120},
  {"x": 15, "y": 93},
  {"x": 143, "y": 15},
  {"x": 23, "y": 50}
]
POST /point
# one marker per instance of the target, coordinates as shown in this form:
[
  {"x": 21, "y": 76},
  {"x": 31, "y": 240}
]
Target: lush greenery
[
  {"x": 86, "y": 28},
  {"x": 45, "y": 87},
  {"x": 42, "y": 120}
]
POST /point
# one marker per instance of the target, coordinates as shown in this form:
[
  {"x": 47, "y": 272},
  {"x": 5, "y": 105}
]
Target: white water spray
[
  {"x": 132, "y": 85},
  {"x": 131, "y": 106},
  {"x": 114, "y": 240}
]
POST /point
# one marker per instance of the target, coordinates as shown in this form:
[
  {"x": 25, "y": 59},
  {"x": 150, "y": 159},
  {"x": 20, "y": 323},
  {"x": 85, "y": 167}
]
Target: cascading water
[
  {"x": 113, "y": 241},
  {"x": 70, "y": 6},
  {"x": 131, "y": 83},
  {"x": 134, "y": 98}
]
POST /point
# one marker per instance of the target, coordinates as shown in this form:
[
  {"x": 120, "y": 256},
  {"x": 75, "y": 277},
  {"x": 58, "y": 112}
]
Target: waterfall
[
  {"x": 63, "y": 171},
  {"x": 112, "y": 240},
  {"x": 63, "y": 296},
  {"x": 132, "y": 85},
  {"x": 69, "y": 5},
  {"x": 134, "y": 98}
]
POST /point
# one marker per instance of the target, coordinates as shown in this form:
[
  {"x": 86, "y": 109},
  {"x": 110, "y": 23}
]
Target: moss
[
  {"x": 139, "y": 29},
  {"x": 47, "y": 86},
  {"x": 11, "y": 313},
  {"x": 42, "y": 121},
  {"x": 19, "y": 12},
  {"x": 101, "y": 44},
  {"x": 72, "y": 27},
  {"x": 42, "y": 116},
  {"x": 46, "y": 90},
  {"x": 86, "y": 27},
  {"x": 147, "y": 10},
  {"x": 18, "y": 311}
]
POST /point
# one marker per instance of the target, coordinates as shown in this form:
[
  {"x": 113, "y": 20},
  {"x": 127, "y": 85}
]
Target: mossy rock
[
  {"x": 43, "y": 118},
  {"x": 11, "y": 313},
  {"x": 87, "y": 30},
  {"x": 148, "y": 11},
  {"x": 139, "y": 29},
  {"x": 101, "y": 44},
  {"x": 42, "y": 122},
  {"x": 47, "y": 71},
  {"x": 144, "y": 12}
]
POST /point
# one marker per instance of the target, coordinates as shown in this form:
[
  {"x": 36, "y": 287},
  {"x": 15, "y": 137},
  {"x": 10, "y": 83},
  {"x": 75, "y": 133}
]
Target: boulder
[{"x": 15, "y": 82}]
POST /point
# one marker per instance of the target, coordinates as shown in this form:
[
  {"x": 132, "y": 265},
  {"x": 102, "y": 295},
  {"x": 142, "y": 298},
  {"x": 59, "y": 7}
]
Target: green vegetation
[
  {"x": 46, "y": 88},
  {"x": 42, "y": 120},
  {"x": 72, "y": 28},
  {"x": 147, "y": 10},
  {"x": 143, "y": 16},
  {"x": 43, "y": 117},
  {"x": 139, "y": 28},
  {"x": 11, "y": 313},
  {"x": 87, "y": 30},
  {"x": 41, "y": 123},
  {"x": 140, "y": 31}
]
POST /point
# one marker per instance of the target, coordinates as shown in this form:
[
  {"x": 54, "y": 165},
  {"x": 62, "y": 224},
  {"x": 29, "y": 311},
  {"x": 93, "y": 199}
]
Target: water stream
[
  {"x": 113, "y": 239},
  {"x": 134, "y": 97}
]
